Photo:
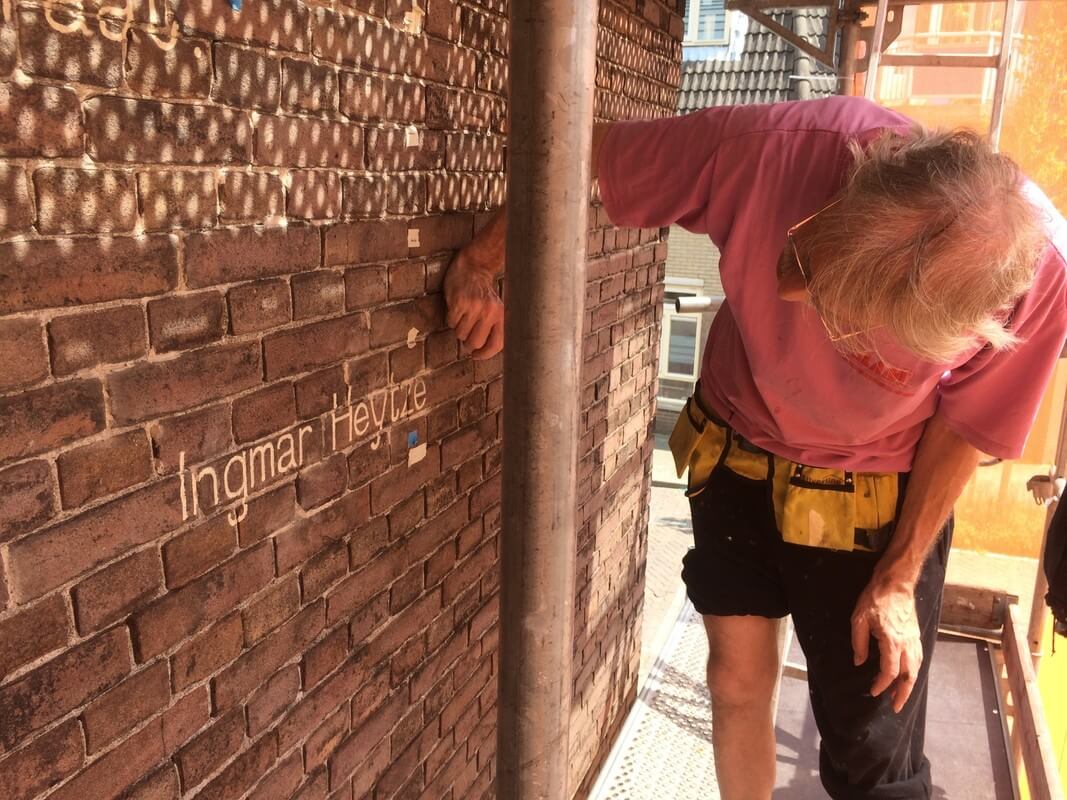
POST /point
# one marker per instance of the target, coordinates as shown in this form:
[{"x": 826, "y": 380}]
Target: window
[
  {"x": 705, "y": 22},
  {"x": 679, "y": 351}
]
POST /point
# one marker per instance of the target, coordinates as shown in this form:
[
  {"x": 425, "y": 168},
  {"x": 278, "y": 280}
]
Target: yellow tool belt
[{"x": 830, "y": 508}]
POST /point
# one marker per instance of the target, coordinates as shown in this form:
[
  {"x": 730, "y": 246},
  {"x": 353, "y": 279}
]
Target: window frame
[{"x": 692, "y": 23}]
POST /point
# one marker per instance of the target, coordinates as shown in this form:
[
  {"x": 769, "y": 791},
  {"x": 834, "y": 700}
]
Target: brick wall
[{"x": 248, "y": 537}]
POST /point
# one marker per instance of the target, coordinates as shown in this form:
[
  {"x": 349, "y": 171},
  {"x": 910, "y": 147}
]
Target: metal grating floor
[{"x": 664, "y": 750}]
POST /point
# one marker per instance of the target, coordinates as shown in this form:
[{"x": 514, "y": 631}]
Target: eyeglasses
[{"x": 791, "y": 236}]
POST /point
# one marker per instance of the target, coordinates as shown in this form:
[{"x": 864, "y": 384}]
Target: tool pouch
[
  {"x": 833, "y": 508},
  {"x": 698, "y": 445}
]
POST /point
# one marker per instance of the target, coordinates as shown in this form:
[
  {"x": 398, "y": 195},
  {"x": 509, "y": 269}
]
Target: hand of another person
[
  {"x": 475, "y": 311},
  {"x": 886, "y": 611}
]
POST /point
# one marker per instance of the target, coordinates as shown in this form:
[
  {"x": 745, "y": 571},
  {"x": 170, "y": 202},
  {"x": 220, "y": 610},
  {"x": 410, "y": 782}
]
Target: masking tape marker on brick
[
  {"x": 416, "y": 454},
  {"x": 413, "y": 237},
  {"x": 413, "y": 336},
  {"x": 412, "y": 137}
]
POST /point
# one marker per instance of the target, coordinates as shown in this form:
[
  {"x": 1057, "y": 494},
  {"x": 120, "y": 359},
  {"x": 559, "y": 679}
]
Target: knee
[{"x": 732, "y": 686}]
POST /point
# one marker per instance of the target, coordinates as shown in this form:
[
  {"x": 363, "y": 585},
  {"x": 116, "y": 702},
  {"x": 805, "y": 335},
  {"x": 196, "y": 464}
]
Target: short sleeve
[
  {"x": 696, "y": 170},
  {"x": 992, "y": 399},
  {"x": 655, "y": 173}
]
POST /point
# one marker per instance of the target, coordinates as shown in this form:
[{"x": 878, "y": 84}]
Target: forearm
[
  {"x": 486, "y": 250},
  {"x": 944, "y": 463}
]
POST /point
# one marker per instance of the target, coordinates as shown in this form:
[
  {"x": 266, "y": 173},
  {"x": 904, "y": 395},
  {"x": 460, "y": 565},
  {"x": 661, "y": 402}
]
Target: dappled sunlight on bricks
[{"x": 251, "y": 482}]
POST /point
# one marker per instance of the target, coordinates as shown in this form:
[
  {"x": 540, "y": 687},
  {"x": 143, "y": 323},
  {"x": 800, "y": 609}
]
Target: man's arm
[
  {"x": 475, "y": 311},
  {"x": 944, "y": 462}
]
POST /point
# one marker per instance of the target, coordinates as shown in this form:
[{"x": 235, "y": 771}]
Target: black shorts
[{"x": 739, "y": 565}]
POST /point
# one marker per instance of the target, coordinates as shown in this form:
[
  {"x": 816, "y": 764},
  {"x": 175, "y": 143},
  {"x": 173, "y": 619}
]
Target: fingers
[
  {"x": 889, "y": 663},
  {"x": 910, "y": 663},
  {"x": 456, "y": 312},
  {"x": 480, "y": 333},
  {"x": 494, "y": 344},
  {"x": 861, "y": 640}
]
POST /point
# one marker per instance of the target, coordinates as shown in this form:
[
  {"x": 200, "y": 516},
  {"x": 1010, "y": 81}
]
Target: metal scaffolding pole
[{"x": 553, "y": 71}]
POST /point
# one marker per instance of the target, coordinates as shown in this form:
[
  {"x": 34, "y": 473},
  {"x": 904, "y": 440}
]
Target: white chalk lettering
[
  {"x": 306, "y": 429},
  {"x": 239, "y": 513},
  {"x": 261, "y": 451},
  {"x": 181, "y": 490},
  {"x": 210, "y": 472},
  {"x": 419, "y": 394},
  {"x": 286, "y": 453},
  {"x": 345, "y": 418},
  {"x": 361, "y": 419}
]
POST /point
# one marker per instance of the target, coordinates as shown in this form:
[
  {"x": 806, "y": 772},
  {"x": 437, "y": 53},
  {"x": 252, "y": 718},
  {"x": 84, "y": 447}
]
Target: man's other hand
[
  {"x": 886, "y": 611},
  {"x": 475, "y": 311}
]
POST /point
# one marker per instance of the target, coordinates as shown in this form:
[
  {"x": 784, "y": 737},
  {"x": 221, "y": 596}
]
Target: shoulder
[{"x": 842, "y": 117}]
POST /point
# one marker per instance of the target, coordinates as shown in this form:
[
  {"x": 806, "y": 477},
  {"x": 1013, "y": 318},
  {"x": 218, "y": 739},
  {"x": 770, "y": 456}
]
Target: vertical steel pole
[
  {"x": 870, "y": 85},
  {"x": 1007, "y": 36},
  {"x": 553, "y": 75},
  {"x": 846, "y": 58}
]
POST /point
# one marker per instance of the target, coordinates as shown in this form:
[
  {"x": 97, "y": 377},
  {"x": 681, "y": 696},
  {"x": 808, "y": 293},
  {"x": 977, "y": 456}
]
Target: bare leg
[{"x": 742, "y": 668}]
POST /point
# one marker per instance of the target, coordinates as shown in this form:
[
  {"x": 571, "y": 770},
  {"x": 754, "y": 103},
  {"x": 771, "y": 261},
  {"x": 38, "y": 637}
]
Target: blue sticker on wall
[
  {"x": 413, "y": 438},
  {"x": 235, "y": 5}
]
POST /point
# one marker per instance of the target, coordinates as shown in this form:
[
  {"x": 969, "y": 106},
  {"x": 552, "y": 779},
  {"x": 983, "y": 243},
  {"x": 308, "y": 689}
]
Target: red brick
[
  {"x": 353, "y": 243},
  {"x": 390, "y": 325},
  {"x": 160, "y": 785},
  {"x": 368, "y": 619},
  {"x": 318, "y": 294},
  {"x": 243, "y": 773},
  {"x": 177, "y": 199},
  {"x": 187, "y": 716},
  {"x": 321, "y": 744},
  {"x": 8, "y": 49},
  {"x": 378, "y": 98},
  {"x": 246, "y": 78},
  {"x": 314, "y": 195},
  {"x": 33, "y": 632},
  {"x": 475, "y": 151},
  {"x": 262, "y": 29},
  {"x": 322, "y": 482},
  {"x": 267, "y": 411},
  {"x": 227, "y": 255},
  {"x": 83, "y": 55},
  {"x": 316, "y": 787},
  {"x": 259, "y": 306},
  {"x": 104, "y": 467},
  {"x": 315, "y": 392},
  {"x": 167, "y": 133},
  {"x": 263, "y": 660},
  {"x": 277, "y": 694},
  {"x": 443, "y": 232},
  {"x": 406, "y": 194},
  {"x": 181, "y": 322},
  {"x": 443, "y": 19},
  {"x": 123, "y": 708},
  {"x": 315, "y": 345},
  {"x": 28, "y": 491},
  {"x": 62, "y": 684},
  {"x": 157, "y": 388},
  {"x": 39, "y": 121},
  {"x": 49, "y": 558},
  {"x": 323, "y": 570},
  {"x": 441, "y": 349},
  {"x": 211, "y": 749},
  {"x": 107, "y": 336},
  {"x": 308, "y": 87},
  {"x": 115, "y": 591},
  {"x": 308, "y": 536},
  {"x": 120, "y": 768},
  {"x": 41, "y": 765},
  {"x": 371, "y": 770},
  {"x": 452, "y": 109},
  {"x": 200, "y": 435},
  {"x": 266, "y": 514},
  {"x": 16, "y": 211},
  {"x": 367, "y": 286},
  {"x": 353, "y": 678},
  {"x": 182, "y": 70},
  {"x": 322, "y": 659},
  {"x": 61, "y": 200},
  {"x": 250, "y": 196},
  {"x": 406, "y": 362},
  {"x": 47, "y": 273},
  {"x": 207, "y": 653},
  {"x": 189, "y": 555},
  {"x": 389, "y": 150},
  {"x": 304, "y": 142},
  {"x": 178, "y": 614},
  {"x": 363, "y": 195},
  {"x": 281, "y": 782},
  {"x": 469, "y": 571},
  {"x": 407, "y": 280},
  {"x": 40, "y": 420}
]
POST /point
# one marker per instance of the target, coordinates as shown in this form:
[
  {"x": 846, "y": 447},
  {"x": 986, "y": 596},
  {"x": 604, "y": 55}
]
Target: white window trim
[{"x": 693, "y": 24}]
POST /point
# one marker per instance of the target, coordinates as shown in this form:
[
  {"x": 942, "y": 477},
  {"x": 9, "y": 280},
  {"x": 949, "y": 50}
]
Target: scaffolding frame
[{"x": 844, "y": 32}]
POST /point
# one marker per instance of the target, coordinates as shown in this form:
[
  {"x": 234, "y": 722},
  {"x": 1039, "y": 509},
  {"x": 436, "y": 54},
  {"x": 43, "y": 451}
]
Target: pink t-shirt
[{"x": 743, "y": 175}]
